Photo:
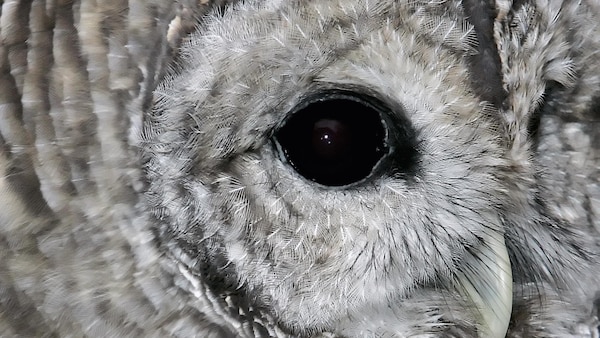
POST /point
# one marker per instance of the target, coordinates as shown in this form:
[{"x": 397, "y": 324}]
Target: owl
[{"x": 319, "y": 168}]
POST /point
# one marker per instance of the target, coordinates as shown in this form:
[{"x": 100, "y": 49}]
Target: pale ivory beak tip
[{"x": 489, "y": 285}]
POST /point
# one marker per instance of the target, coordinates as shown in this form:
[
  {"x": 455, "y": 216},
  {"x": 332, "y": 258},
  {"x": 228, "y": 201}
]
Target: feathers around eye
[{"x": 145, "y": 192}]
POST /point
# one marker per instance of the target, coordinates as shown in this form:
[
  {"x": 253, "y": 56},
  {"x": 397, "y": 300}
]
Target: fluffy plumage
[{"x": 143, "y": 193}]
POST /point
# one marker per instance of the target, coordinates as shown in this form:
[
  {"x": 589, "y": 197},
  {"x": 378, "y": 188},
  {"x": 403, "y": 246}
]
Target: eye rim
[{"x": 387, "y": 113}]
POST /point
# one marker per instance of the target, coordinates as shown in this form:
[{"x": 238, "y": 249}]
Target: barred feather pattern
[
  {"x": 142, "y": 195},
  {"x": 78, "y": 254}
]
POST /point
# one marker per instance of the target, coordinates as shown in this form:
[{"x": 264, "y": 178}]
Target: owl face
[{"x": 334, "y": 159}]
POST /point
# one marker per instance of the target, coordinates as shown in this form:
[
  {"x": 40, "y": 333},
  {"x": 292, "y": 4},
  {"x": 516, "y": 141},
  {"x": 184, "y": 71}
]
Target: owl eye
[{"x": 335, "y": 139}]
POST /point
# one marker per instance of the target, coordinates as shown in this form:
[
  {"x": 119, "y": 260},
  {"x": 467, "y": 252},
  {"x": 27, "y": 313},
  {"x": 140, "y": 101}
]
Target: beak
[{"x": 486, "y": 279}]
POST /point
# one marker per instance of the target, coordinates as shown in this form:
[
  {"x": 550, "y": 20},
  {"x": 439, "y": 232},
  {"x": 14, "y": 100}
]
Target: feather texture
[{"x": 145, "y": 192}]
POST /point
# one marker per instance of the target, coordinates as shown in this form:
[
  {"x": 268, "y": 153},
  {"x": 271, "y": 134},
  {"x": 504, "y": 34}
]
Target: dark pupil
[
  {"x": 332, "y": 139},
  {"x": 334, "y": 142}
]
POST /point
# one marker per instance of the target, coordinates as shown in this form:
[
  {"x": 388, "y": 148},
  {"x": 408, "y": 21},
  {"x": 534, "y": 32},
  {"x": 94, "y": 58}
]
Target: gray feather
[{"x": 143, "y": 191}]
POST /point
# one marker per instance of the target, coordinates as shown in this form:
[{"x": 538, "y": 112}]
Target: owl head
[{"x": 362, "y": 167}]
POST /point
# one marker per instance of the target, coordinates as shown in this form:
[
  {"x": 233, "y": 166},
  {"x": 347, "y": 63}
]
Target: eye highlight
[{"x": 335, "y": 139}]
